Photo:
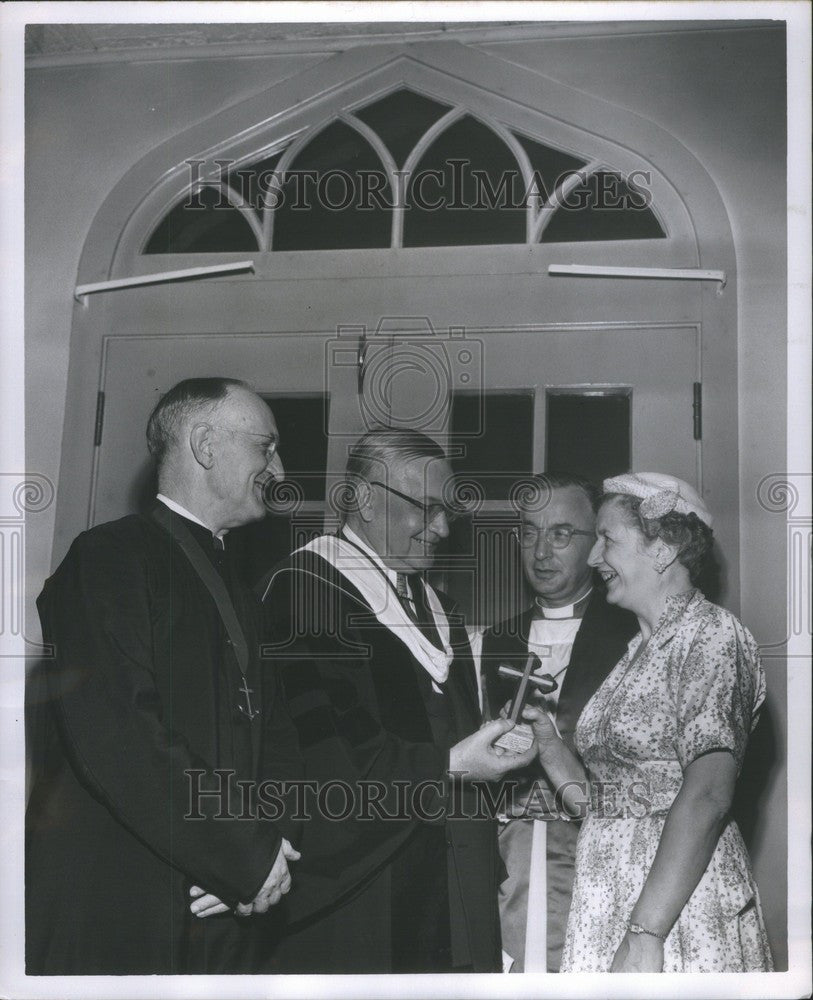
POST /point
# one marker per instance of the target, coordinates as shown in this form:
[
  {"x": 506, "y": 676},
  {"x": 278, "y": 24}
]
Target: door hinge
[
  {"x": 697, "y": 410},
  {"x": 99, "y": 424}
]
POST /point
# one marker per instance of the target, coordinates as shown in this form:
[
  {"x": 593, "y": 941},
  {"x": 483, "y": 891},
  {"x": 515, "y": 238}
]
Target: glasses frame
[
  {"x": 449, "y": 513},
  {"x": 547, "y": 533},
  {"x": 270, "y": 449}
]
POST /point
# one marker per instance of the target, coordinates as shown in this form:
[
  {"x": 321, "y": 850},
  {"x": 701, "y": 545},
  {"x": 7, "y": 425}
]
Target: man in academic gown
[
  {"x": 155, "y": 684},
  {"x": 379, "y": 680},
  {"x": 579, "y": 638}
]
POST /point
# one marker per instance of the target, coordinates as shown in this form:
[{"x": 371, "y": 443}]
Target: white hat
[{"x": 660, "y": 494}]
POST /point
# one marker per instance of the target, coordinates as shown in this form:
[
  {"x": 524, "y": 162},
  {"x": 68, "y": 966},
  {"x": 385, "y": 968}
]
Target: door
[
  {"x": 508, "y": 403},
  {"x": 503, "y": 402},
  {"x": 310, "y": 380}
]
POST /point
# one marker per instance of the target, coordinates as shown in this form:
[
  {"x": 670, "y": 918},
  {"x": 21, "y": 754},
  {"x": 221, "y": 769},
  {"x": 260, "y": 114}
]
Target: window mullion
[{"x": 558, "y": 196}]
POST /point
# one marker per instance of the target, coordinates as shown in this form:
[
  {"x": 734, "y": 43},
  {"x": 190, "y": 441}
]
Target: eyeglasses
[
  {"x": 558, "y": 537},
  {"x": 272, "y": 442},
  {"x": 431, "y": 511}
]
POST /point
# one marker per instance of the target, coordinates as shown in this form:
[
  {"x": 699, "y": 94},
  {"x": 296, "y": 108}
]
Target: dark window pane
[
  {"x": 494, "y": 433},
  {"x": 400, "y": 119},
  {"x": 604, "y": 207},
  {"x": 211, "y": 226},
  {"x": 550, "y": 165},
  {"x": 588, "y": 434},
  {"x": 482, "y": 572},
  {"x": 302, "y": 423},
  {"x": 252, "y": 181},
  {"x": 345, "y": 203},
  {"x": 475, "y": 196}
]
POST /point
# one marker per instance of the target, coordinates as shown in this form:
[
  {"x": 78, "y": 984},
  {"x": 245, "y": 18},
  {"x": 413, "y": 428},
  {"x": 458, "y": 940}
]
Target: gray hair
[
  {"x": 533, "y": 492},
  {"x": 382, "y": 446},
  {"x": 374, "y": 453},
  {"x": 175, "y": 407},
  {"x": 692, "y": 537}
]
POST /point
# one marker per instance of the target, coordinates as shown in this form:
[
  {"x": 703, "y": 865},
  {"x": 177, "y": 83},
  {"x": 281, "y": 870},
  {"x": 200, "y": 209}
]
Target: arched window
[
  {"x": 204, "y": 222},
  {"x": 466, "y": 189},
  {"x": 336, "y": 195},
  {"x": 405, "y": 170}
]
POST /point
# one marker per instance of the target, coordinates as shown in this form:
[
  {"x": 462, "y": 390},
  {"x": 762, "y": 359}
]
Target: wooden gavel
[{"x": 544, "y": 683}]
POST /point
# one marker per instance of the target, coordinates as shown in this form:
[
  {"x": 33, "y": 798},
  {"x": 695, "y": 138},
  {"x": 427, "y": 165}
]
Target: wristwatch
[{"x": 638, "y": 929}]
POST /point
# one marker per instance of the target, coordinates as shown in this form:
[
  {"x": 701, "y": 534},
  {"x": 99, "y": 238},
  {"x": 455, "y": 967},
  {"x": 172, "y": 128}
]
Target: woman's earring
[{"x": 660, "y": 564}]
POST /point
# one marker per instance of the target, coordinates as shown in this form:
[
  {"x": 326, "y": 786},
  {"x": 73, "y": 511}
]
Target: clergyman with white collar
[
  {"x": 579, "y": 638},
  {"x": 156, "y": 679}
]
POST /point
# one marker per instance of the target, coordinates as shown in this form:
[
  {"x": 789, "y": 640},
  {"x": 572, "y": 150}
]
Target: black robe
[
  {"x": 416, "y": 893},
  {"x": 600, "y": 643},
  {"x": 144, "y": 687}
]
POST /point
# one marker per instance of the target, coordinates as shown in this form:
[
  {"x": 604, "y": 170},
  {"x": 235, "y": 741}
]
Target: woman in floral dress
[{"x": 663, "y": 880}]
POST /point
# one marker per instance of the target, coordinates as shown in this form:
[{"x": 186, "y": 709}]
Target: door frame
[{"x": 491, "y": 86}]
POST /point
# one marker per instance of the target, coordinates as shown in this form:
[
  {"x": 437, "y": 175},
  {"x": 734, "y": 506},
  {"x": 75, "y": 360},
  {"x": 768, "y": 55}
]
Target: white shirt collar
[
  {"x": 351, "y": 536},
  {"x": 564, "y": 612},
  {"x": 174, "y": 505}
]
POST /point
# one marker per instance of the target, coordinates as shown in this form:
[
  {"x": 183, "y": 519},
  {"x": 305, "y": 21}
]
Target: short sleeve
[{"x": 721, "y": 688}]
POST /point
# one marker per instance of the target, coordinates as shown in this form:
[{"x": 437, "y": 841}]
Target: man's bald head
[{"x": 187, "y": 402}]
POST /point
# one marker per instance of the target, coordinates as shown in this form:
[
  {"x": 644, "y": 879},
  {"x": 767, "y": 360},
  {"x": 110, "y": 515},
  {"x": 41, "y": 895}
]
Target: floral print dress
[{"x": 697, "y": 687}]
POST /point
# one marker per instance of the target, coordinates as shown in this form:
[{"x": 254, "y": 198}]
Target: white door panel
[
  {"x": 659, "y": 365},
  {"x": 409, "y": 379},
  {"x": 138, "y": 370}
]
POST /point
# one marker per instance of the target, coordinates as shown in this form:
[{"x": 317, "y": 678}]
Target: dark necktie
[
  {"x": 413, "y": 599},
  {"x": 403, "y": 591}
]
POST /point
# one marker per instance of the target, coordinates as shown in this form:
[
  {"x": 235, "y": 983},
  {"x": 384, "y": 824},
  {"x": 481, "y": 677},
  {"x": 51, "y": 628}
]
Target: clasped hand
[
  {"x": 476, "y": 757},
  {"x": 638, "y": 953},
  {"x": 543, "y": 726},
  {"x": 276, "y": 885}
]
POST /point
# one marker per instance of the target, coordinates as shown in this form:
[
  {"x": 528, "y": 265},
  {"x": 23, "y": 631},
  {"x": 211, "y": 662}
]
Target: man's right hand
[
  {"x": 476, "y": 758},
  {"x": 206, "y": 904}
]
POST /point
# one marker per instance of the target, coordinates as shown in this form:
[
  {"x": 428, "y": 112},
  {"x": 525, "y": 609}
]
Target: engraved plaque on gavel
[{"x": 521, "y": 736}]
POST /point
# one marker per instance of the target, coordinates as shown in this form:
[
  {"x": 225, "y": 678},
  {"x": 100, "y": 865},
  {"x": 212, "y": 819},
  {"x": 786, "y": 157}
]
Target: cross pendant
[{"x": 247, "y": 711}]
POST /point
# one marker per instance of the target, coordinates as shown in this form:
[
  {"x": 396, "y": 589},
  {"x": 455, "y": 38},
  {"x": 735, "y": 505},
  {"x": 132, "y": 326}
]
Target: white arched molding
[
  {"x": 424, "y": 143},
  {"x": 508, "y": 99},
  {"x": 685, "y": 198}
]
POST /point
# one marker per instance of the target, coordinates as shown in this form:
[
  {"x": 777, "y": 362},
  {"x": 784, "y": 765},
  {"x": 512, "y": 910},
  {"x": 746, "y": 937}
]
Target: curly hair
[{"x": 692, "y": 538}]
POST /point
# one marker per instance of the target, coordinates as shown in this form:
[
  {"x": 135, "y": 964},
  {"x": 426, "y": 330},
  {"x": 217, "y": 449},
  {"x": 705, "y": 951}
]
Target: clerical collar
[
  {"x": 178, "y": 509},
  {"x": 354, "y": 539},
  {"x": 575, "y": 610}
]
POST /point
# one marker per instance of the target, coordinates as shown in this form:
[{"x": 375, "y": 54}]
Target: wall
[
  {"x": 85, "y": 127},
  {"x": 721, "y": 93}
]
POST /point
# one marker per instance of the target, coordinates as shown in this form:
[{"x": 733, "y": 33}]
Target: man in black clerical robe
[
  {"x": 579, "y": 639},
  {"x": 379, "y": 680},
  {"x": 149, "y": 699}
]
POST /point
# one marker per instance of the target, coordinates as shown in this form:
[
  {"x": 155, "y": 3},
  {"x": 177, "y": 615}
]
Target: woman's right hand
[{"x": 545, "y": 732}]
